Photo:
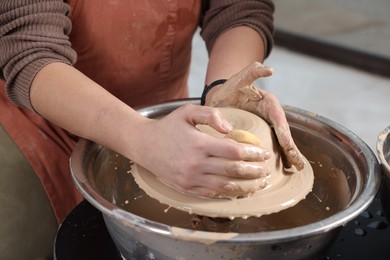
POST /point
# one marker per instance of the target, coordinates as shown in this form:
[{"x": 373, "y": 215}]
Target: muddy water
[{"x": 334, "y": 180}]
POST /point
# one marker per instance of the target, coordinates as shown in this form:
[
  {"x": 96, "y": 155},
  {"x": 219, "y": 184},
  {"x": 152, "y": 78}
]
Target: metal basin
[
  {"x": 342, "y": 193},
  {"x": 383, "y": 151}
]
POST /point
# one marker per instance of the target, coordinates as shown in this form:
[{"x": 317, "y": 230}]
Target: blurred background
[{"x": 331, "y": 58}]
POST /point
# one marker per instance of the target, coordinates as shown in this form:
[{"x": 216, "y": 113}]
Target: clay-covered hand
[
  {"x": 238, "y": 91},
  {"x": 191, "y": 161}
]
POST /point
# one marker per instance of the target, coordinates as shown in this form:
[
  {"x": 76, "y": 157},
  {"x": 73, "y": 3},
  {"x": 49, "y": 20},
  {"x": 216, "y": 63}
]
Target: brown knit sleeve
[
  {"x": 220, "y": 15},
  {"x": 33, "y": 33}
]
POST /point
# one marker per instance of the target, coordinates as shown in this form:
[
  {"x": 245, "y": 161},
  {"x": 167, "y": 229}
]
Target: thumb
[
  {"x": 205, "y": 115},
  {"x": 290, "y": 150},
  {"x": 208, "y": 116}
]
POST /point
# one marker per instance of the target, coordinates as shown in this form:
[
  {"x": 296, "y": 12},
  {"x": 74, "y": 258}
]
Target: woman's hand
[
  {"x": 239, "y": 92},
  {"x": 172, "y": 147},
  {"x": 192, "y": 161}
]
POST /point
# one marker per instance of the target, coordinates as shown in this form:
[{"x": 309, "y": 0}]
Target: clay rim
[{"x": 214, "y": 207}]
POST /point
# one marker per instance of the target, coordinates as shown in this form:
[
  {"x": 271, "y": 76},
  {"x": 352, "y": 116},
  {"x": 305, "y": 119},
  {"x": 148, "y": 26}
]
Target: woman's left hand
[{"x": 238, "y": 91}]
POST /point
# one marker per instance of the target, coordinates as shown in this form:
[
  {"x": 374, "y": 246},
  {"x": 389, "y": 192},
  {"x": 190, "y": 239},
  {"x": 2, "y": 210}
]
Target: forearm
[
  {"x": 72, "y": 101},
  {"x": 232, "y": 51}
]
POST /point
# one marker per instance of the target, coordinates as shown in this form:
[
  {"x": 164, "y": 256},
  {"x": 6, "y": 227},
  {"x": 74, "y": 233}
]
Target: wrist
[{"x": 207, "y": 88}]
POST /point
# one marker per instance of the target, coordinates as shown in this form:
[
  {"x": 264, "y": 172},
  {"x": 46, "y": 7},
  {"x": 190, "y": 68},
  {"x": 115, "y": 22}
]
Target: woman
[{"x": 80, "y": 68}]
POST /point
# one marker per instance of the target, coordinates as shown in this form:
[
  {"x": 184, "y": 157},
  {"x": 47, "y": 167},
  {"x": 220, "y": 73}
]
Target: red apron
[{"x": 138, "y": 50}]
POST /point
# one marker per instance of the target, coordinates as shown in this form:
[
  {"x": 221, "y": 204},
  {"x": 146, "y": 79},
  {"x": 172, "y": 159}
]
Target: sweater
[{"x": 34, "y": 33}]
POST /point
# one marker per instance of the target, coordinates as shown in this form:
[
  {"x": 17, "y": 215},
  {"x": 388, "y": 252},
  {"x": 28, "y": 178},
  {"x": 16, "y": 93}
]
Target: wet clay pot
[{"x": 347, "y": 178}]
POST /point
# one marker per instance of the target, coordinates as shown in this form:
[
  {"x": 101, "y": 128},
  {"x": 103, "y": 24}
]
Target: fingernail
[
  {"x": 267, "y": 155},
  {"x": 226, "y": 125},
  {"x": 256, "y": 152}
]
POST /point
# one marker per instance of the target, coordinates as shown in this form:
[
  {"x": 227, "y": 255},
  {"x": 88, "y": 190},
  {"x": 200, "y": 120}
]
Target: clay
[
  {"x": 281, "y": 189},
  {"x": 331, "y": 193}
]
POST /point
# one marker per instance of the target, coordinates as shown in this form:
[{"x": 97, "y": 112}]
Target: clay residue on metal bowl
[{"x": 383, "y": 150}]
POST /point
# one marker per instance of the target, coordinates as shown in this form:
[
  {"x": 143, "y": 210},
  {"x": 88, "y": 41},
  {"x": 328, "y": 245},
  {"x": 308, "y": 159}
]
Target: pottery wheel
[{"x": 283, "y": 188}]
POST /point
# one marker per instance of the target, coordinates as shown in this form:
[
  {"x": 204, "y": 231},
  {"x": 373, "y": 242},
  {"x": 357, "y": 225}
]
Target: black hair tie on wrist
[{"x": 207, "y": 88}]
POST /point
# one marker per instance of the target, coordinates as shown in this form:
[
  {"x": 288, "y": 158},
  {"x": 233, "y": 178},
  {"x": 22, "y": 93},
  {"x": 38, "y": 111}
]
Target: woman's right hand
[{"x": 194, "y": 162}]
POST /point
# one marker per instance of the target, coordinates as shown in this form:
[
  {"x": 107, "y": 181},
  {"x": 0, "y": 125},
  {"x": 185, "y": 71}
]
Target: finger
[
  {"x": 251, "y": 73},
  {"x": 283, "y": 134},
  {"x": 207, "y": 116},
  {"x": 230, "y": 149},
  {"x": 236, "y": 169},
  {"x": 270, "y": 110},
  {"x": 295, "y": 158}
]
